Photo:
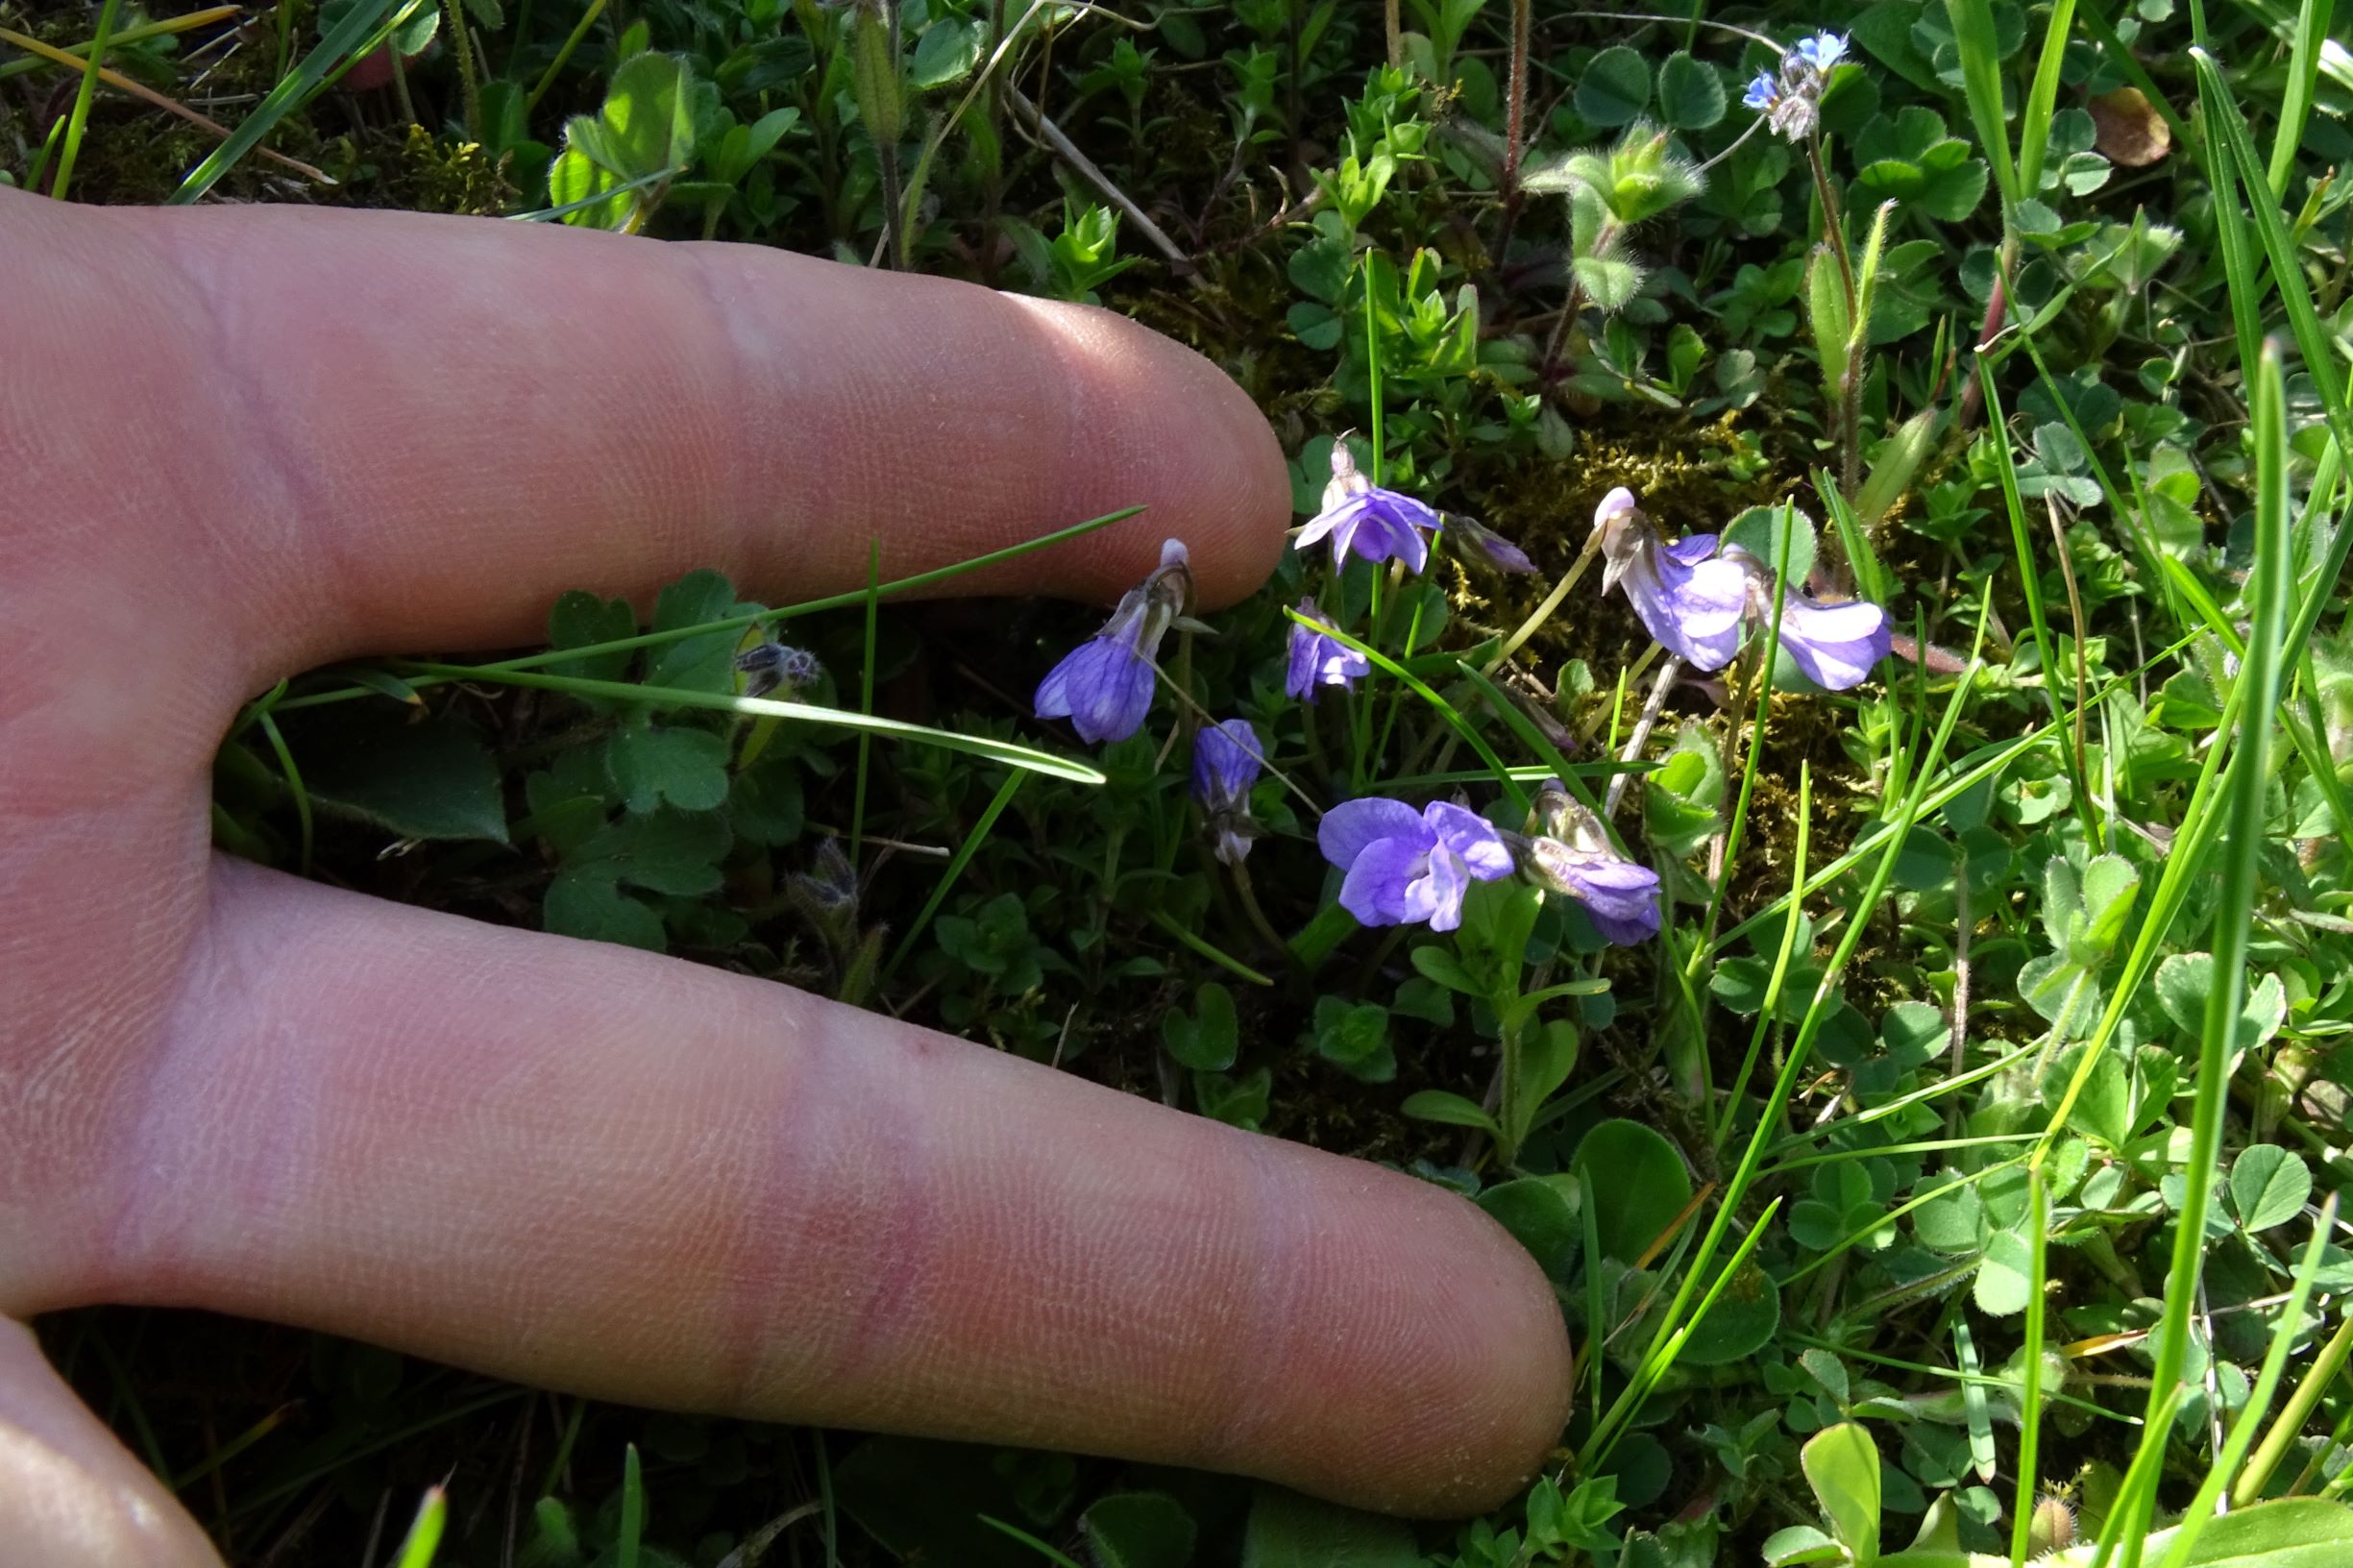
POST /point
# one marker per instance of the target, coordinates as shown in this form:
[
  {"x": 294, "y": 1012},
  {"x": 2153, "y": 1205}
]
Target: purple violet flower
[
  {"x": 1374, "y": 522},
  {"x": 1474, "y": 541},
  {"x": 1404, "y": 866},
  {"x": 1227, "y": 759},
  {"x": 1835, "y": 645},
  {"x": 1689, "y": 598},
  {"x": 1763, "y": 93},
  {"x": 1319, "y": 658},
  {"x": 1104, "y": 685},
  {"x": 1574, "y": 858}
]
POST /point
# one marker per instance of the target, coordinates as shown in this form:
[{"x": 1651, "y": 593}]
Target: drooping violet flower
[
  {"x": 1227, "y": 759},
  {"x": 1374, "y": 522},
  {"x": 768, "y": 666},
  {"x": 1689, "y": 598},
  {"x": 1104, "y": 685},
  {"x": 1474, "y": 541},
  {"x": 1321, "y": 659},
  {"x": 1791, "y": 98},
  {"x": 1572, "y": 856},
  {"x": 1404, "y": 866},
  {"x": 1834, "y": 645}
]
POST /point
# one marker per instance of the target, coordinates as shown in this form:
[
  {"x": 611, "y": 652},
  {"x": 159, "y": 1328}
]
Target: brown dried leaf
[{"x": 2130, "y": 132}]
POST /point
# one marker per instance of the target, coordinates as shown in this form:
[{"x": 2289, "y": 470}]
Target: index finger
[{"x": 387, "y": 431}]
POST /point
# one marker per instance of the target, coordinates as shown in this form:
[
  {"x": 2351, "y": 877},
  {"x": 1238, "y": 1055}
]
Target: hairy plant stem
[
  {"x": 454, "y": 20},
  {"x": 1515, "y": 124},
  {"x": 1850, "y": 380},
  {"x": 1569, "y": 308}
]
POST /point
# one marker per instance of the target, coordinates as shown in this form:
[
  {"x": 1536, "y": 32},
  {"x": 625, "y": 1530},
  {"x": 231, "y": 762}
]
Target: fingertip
[
  {"x": 1472, "y": 1387},
  {"x": 1160, "y": 427}
]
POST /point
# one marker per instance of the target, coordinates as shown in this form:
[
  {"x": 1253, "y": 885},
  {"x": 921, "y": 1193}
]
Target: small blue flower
[
  {"x": 1360, "y": 517},
  {"x": 1321, "y": 659},
  {"x": 1227, "y": 759},
  {"x": 1104, "y": 685},
  {"x": 1404, "y": 866},
  {"x": 1821, "y": 51},
  {"x": 1689, "y": 598},
  {"x": 1763, "y": 93}
]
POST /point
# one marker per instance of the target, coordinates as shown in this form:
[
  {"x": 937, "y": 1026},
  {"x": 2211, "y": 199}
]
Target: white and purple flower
[
  {"x": 1358, "y": 515},
  {"x": 1406, "y": 866},
  {"x": 1574, "y": 858},
  {"x": 1791, "y": 98},
  {"x": 767, "y": 666},
  {"x": 1834, "y": 644},
  {"x": 1689, "y": 598},
  {"x": 1227, "y": 760},
  {"x": 1104, "y": 685},
  {"x": 1318, "y": 658}
]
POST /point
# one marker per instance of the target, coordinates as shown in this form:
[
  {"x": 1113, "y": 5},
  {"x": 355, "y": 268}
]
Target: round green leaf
[
  {"x": 1540, "y": 1211},
  {"x": 1743, "y": 1318},
  {"x": 1691, "y": 95},
  {"x": 1637, "y": 1183},
  {"x": 1616, "y": 86},
  {"x": 2269, "y": 1186}
]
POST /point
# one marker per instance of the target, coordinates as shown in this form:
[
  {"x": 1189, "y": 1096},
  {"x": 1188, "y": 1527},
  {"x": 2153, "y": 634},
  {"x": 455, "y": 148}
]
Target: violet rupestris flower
[
  {"x": 1104, "y": 685},
  {"x": 1227, "y": 759},
  {"x": 1318, "y": 658},
  {"x": 1404, "y": 866},
  {"x": 1688, "y": 597},
  {"x": 1373, "y": 523},
  {"x": 1835, "y": 645},
  {"x": 1573, "y": 857}
]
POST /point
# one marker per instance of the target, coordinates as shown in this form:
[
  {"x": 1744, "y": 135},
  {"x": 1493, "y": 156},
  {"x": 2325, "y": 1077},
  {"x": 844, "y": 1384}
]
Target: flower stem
[{"x": 1668, "y": 669}]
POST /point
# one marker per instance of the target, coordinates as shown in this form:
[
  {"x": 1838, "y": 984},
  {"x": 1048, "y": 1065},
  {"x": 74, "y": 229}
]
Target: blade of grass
[
  {"x": 2295, "y": 105},
  {"x": 677, "y": 697},
  {"x": 294, "y": 784},
  {"x": 2289, "y": 1425},
  {"x": 1446, "y": 710},
  {"x": 963, "y": 857},
  {"x": 737, "y": 623},
  {"x": 1216, "y": 955},
  {"x": 2030, "y": 1396},
  {"x": 866, "y": 696},
  {"x": 424, "y": 1539},
  {"x": 571, "y": 41},
  {"x": 1769, "y": 1010},
  {"x": 136, "y": 32},
  {"x": 1975, "y": 37},
  {"x": 2022, "y": 540},
  {"x": 1817, "y": 1014},
  {"x": 349, "y": 35},
  {"x": 628, "y": 1538},
  {"x": 2234, "y": 914},
  {"x": 77, "y": 121},
  {"x": 2034, "y": 126},
  {"x": 2201, "y": 1510}
]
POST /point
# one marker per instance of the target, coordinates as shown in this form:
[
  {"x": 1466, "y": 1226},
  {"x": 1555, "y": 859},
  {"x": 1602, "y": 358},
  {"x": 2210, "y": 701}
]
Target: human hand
[{"x": 241, "y": 442}]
